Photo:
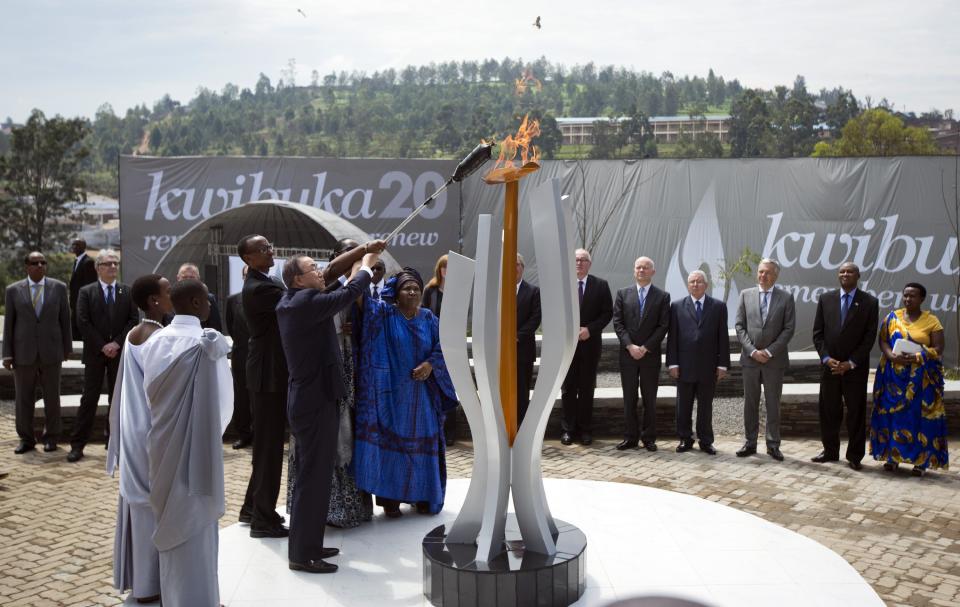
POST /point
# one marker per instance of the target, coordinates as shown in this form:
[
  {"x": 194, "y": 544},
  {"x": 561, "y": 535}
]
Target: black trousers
[
  {"x": 93, "y": 374},
  {"x": 315, "y": 446},
  {"x": 703, "y": 392},
  {"x": 835, "y": 391},
  {"x": 25, "y": 379},
  {"x": 269, "y": 423},
  {"x": 524, "y": 377},
  {"x": 576, "y": 394},
  {"x": 632, "y": 377},
  {"x": 242, "y": 420}
]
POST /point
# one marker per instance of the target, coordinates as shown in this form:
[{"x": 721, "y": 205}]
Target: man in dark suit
[
  {"x": 105, "y": 313},
  {"x": 596, "y": 308},
  {"x": 305, "y": 316},
  {"x": 528, "y": 320},
  {"x": 240, "y": 334},
  {"x": 84, "y": 272},
  {"x": 698, "y": 355},
  {"x": 190, "y": 271},
  {"x": 844, "y": 331},
  {"x": 267, "y": 384},
  {"x": 766, "y": 320},
  {"x": 36, "y": 341},
  {"x": 641, "y": 317}
]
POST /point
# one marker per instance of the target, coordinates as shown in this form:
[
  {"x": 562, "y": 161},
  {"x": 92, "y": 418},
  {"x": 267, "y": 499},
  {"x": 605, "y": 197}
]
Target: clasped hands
[
  {"x": 111, "y": 350},
  {"x": 838, "y": 368}
]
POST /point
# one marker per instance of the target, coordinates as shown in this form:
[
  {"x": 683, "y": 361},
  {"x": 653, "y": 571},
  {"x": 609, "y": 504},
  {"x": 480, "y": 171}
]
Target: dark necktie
[
  {"x": 376, "y": 293},
  {"x": 109, "y": 296},
  {"x": 763, "y": 307},
  {"x": 580, "y": 290},
  {"x": 844, "y": 308},
  {"x": 699, "y": 312},
  {"x": 642, "y": 299}
]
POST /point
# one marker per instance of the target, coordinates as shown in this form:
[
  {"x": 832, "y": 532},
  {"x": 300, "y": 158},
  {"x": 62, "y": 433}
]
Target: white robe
[
  {"x": 190, "y": 392},
  {"x": 136, "y": 563}
]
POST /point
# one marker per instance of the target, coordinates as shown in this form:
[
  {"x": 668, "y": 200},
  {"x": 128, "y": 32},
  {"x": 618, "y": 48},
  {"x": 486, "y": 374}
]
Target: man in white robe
[{"x": 190, "y": 392}]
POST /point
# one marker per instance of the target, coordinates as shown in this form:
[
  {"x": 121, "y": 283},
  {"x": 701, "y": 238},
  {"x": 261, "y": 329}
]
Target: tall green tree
[
  {"x": 41, "y": 176},
  {"x": 877, "y": 132},
  {"x": 749, "y": 125}
]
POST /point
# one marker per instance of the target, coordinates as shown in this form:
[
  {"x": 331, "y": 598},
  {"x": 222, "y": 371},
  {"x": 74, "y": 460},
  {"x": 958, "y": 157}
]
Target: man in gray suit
[
  {"x": 766, "y": 320},
  {"x": 36, "y": 341}
]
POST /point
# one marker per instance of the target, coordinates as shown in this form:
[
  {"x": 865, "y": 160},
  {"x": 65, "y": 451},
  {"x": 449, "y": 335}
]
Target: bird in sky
[
  {"x": 536, "y": 23},
  {"x": 302, "y": 13}
]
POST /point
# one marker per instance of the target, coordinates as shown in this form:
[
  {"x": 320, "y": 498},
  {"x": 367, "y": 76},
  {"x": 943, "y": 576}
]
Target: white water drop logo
[{"x": 702, "y": 249}]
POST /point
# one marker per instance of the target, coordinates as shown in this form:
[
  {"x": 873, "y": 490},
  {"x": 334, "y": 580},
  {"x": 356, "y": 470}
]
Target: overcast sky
[{"x": 68, "y": 57}]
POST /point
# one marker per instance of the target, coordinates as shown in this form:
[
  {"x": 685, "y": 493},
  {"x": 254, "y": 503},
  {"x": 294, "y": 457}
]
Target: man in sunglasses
[
  {"x": 37, "y": 339},
  {"x": 105, "y": 313}
]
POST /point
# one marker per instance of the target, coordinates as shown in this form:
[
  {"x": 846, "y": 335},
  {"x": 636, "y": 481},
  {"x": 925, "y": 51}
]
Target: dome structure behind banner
[{"x": 291, "y": 227}]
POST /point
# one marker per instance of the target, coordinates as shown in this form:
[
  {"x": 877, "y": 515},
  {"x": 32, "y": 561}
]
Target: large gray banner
[
  {"x": 161, "y": 198},
  {"x": 895, "y": 217}
]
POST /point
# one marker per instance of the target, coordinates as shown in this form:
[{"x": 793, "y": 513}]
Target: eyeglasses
[
  {"x": 264, "y": 248},
  {"x": 112, "y": 264},
  {"x": 37, "y": 263}
]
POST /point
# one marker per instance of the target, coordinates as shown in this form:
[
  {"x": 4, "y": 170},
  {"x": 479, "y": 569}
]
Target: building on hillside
[{"x": 666, "y": 129}]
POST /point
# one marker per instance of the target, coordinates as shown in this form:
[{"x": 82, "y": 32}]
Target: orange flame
[
  {"x": 528, "y": 80},
  {"x": 506, "y": 167}
]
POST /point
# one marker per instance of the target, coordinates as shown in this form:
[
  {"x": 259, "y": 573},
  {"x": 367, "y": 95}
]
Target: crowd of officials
[{"x": 349, "y": 360}]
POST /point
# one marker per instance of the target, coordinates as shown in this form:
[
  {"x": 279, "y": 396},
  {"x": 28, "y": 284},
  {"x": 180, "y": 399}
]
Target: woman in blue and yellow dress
[{"x": 908, "y": 424}]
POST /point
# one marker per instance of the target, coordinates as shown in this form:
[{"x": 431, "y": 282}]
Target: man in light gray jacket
[{"x": 766, "y": 320}]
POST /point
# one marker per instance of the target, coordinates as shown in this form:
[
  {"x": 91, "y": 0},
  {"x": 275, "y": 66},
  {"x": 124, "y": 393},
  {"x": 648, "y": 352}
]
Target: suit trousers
[
  {"x": 25, "y": 383},
  {"x": 632, "y": 377},
  {"x": 772, "y": 382},
  {"x": 835, "y": 391},
  {"x": 703, "y": 391},
  {"x": 269, "y": 423},
  {"x": 315, "y": 448},
  {"x": 576, "y": 393},
  {"x": 524, "y": 377},
  {"x": 93, "y": 374},
  {"x": 242, "y": 420}
]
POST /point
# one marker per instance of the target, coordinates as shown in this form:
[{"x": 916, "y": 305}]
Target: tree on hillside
[
  {"x": 877, "y": 132},
  {"x": 40, "y": 177},
  {"x": 749, "y": 125},
  {"x": 841, "y": 110}
]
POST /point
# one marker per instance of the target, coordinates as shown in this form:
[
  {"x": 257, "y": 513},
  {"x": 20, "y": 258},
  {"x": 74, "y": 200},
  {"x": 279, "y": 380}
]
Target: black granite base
[{"x": 452, "y": 577}]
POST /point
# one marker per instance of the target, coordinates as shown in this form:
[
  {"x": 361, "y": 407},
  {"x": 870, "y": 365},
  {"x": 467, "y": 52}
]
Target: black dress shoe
[
  {"x": 566, "y": 439},
  {"x": 276, "y": 531},
  {"x": 651, "y": 447},
  {"x": 684, "y": 446},
  {"x": 49, "y": 446},
  {"x": 586, "y": 439},
  {"x": 746, "y": 450},
  {"x": 148, "y": 599},
  {"x": 75, "y": 455},
  {"x": 242, "y": 443},
  {"x": 627, "y": 444},
  {"x": 708, "y": 449},
  {"x": 450, "y": 441},
  {"x": 23, "y": 447},
  {"x": 314, "y": 566},
  {"x": 822, "y": 457},
  {"x": 775, "y": 453},
  {"x": 855, "y": 465},
  {"x": 326, "y": 553}
]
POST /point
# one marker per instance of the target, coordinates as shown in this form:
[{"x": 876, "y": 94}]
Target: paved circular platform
[{"x": 642, "y": 541}]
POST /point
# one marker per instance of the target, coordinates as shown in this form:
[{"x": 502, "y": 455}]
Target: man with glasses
[
  {"x": 36, "y": 341},
  {"x": 105, "y": 313}
]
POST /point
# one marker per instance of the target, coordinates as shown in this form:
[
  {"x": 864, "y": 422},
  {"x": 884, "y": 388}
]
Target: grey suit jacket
[
  {"x": 774, "y": 334},
  {"x": 28, "y": 339}
]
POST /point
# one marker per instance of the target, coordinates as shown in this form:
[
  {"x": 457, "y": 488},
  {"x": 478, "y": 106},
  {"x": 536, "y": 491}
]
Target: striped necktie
[{"x": 37, "y": 298}]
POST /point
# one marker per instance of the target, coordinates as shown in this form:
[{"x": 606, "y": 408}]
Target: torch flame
[
  {"x": 506, "y": 167},
  {"x": 528, "y": 80}
]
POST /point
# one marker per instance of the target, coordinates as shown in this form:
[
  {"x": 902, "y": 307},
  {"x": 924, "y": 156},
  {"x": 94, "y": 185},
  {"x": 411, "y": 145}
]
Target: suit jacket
[
  {"x": 83, "y": 274},
  {"x": 596, "y": 309},
  {"x": 698, "y": 349},
  {"x": 266, "y": 365},
  {"x": 647, "y": 330},
  {"x": 99, "y": 326},
  {"x": 236, "y": 323},
  {"x": 854, "y": 340},
  {"x": 28, "y": 338},
  {"x": 528, "y": 320},
  {"x": 307, "y": 330},
  {"x": 773, "y": 335}
]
